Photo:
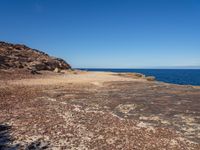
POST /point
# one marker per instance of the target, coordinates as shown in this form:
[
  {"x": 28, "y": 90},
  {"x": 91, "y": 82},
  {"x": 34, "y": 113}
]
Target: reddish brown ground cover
[{"x": 112, "y": 112}]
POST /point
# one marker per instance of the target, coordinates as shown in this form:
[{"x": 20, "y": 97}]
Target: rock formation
[{"x": 13, "y": 56}]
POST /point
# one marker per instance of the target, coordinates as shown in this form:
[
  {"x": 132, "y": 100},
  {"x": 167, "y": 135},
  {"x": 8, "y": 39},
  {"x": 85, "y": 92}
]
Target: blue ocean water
[{"x": 176, "y": 76}]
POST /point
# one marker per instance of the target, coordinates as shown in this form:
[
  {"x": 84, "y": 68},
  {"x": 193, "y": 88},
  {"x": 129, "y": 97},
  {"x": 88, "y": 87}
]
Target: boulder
[
  {"x": 57, "y": 70},
  {"x": 150, "y": 78}
]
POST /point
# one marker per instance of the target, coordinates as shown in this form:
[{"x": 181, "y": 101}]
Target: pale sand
[{"x": 96, "y": 78}]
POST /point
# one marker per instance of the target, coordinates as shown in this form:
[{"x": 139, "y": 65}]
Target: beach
[{"x": 97, "y": 110}]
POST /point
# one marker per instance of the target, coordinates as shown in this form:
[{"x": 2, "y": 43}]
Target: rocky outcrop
[{"x": 20, "y": 56}]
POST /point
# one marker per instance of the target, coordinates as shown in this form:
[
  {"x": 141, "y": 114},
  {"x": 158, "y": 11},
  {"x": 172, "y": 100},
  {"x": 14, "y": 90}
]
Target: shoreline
[
  {"x": 99, "y": 108},
  {"x": 130, "y": 75},
  {"x": 162, "y": 74}
]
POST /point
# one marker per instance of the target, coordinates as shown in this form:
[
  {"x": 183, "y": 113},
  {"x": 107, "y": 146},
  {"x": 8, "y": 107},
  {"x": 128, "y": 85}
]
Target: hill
[{"x": 17, "y": 56}]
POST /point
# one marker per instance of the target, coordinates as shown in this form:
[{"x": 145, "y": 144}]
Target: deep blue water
[{"x": 176, "y": 76}]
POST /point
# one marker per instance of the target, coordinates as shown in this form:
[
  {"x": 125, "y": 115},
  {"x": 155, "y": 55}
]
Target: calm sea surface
[{"x": 176, "y": 76}]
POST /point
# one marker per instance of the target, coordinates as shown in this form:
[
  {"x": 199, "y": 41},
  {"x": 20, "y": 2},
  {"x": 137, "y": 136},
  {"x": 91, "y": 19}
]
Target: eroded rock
[{"x": 14, "y": 56}]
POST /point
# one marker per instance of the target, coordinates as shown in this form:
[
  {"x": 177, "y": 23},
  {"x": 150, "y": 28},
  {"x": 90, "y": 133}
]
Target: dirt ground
[{"x": 96, "y": 110}]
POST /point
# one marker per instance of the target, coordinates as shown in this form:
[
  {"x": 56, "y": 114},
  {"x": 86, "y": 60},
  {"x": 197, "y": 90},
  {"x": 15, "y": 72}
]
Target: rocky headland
[
  {"x": 13, "y": 56},
  {"x": 73, "y": 109}
]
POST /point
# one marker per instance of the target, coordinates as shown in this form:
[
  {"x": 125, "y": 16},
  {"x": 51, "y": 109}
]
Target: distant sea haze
[{"x": 175, "y": 76}]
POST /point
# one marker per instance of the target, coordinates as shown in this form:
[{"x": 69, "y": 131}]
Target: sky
[{"x": 107, "y": 33}]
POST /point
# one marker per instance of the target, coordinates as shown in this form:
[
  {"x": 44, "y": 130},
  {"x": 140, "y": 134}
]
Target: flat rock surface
[{"x": 97, "y": 110}]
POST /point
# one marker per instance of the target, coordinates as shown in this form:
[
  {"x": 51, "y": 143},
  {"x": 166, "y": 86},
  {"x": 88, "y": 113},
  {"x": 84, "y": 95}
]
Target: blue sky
[{"x": 107, "y": 33}]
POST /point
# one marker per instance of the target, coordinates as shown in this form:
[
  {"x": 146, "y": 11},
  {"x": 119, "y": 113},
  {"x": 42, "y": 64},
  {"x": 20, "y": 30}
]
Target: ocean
[{"x": 175, "y": 76}]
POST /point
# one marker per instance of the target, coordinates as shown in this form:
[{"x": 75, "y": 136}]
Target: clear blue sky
[{"x": 107, "y": 33}]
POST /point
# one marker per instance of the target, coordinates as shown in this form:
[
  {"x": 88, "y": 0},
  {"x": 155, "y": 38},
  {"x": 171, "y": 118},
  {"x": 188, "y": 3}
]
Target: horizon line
[{"x": 170, "y": 67}]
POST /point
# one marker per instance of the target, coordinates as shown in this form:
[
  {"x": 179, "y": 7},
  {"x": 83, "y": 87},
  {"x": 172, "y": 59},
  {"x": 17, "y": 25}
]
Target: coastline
[
  {"x": 174, "y": 76},
  {"x": 66, "y": 73},
  {"x": 59, "y": 110}
]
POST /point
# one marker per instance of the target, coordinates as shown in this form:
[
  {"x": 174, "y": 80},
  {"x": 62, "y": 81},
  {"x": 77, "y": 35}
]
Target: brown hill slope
[{"x": 13, "y": 56}]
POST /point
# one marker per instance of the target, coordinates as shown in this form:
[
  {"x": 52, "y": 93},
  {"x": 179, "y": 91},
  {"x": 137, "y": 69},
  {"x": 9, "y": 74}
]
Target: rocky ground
[
  {"x": 86, "y": 110},
  {"x": 19, "y": 56}
]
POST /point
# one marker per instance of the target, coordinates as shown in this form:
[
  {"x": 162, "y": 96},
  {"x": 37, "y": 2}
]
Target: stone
[
  {"x": 150, "y": 78},
  {"x": 57, "y": 70}
]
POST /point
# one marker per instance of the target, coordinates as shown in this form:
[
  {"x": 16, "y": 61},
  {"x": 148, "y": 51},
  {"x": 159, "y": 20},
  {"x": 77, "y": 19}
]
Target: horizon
[
  {"x": 164, "y": 67},
  {"x": 108, "y": 34}
]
